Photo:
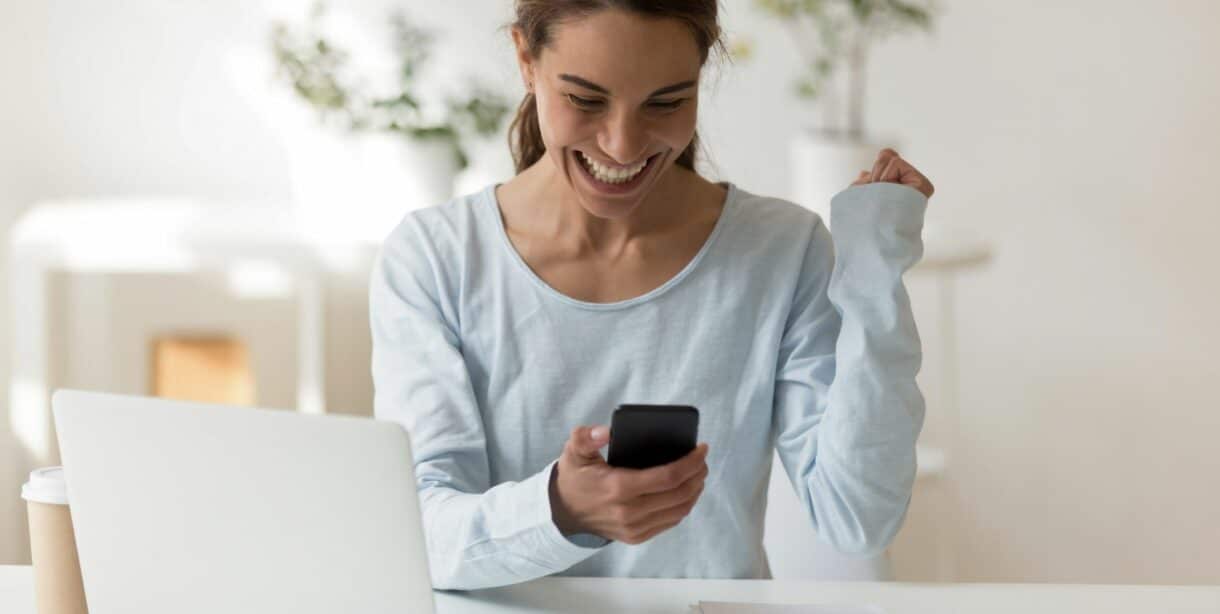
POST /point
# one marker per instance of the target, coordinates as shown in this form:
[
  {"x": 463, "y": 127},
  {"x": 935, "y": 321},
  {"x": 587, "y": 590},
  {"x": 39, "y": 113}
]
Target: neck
[{"x": 556, "y": 212}]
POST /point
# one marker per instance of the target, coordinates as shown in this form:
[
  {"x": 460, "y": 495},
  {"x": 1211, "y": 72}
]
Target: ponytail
[{"x": 525, "y": 136}]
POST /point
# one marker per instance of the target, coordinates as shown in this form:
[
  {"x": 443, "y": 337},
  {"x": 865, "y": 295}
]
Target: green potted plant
[
  {"x": 390, "y": 147},
  {"x": 833, "y": 39}
]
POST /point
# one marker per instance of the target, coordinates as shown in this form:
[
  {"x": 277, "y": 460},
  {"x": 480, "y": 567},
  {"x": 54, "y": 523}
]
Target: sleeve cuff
[
  {"x": 892, "y": 205},
  {"x": 562, "y": 552}
]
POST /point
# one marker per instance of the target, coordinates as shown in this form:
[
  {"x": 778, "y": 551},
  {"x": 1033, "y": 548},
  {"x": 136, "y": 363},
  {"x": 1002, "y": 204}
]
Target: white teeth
[{"x": 611, "y": 175}]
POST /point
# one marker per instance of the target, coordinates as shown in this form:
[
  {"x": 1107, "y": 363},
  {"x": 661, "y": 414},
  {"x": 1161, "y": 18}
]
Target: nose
[{"x": 624, "y": 138}]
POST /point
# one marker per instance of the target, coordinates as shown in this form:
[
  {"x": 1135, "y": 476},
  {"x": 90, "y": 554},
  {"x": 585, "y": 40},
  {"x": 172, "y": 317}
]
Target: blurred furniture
[
  {"x": 162, "y": 236},
  {"x": 948, "y": 251},
  {"x": 211, "y": 369}
]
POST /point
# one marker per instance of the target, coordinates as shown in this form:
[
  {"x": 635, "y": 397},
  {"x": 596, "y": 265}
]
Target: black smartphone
[{"x": 643, "y": 436}]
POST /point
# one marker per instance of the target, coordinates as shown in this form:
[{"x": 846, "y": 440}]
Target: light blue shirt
[{"x": 782, "y": 338}]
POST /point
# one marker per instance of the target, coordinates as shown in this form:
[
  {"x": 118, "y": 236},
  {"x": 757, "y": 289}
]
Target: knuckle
[{"x": 672, "y": 477}]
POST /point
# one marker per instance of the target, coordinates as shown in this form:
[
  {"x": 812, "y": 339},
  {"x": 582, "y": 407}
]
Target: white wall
[{"x": 1078, "y": 136}]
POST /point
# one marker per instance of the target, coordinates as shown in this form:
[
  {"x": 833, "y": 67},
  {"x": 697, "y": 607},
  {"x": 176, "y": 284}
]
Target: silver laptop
[{"x": 188, "y": 507}]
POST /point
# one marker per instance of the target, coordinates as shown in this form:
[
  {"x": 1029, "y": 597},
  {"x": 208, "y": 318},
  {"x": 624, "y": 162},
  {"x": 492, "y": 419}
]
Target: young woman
[{"x": 508, "y": 322}]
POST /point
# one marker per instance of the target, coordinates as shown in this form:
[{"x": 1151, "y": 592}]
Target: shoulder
[
  {"x": 432, "y": 245},
  {"x": 439, "y": 225},
  {"x": 773, "y": 222}
]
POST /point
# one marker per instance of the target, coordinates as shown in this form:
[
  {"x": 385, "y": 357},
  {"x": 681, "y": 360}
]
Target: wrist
[{"x": 563, "y": 520}]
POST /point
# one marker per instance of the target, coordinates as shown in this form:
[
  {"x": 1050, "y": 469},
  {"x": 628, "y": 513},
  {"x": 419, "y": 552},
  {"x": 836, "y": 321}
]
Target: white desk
[{"x": 591, "y": 595}]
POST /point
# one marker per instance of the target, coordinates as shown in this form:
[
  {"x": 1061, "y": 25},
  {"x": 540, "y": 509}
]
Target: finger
[
  {"x": 883, "y": 158},
  {"x": 861, "y": 179},
  {"x": 919, "y": 182},
  {"x": 878, "y": 166},
  {"x": 652, "y": 503},
  {"x": 665, "y": 477},
  {"x": 665, "y": 520},
  {"x": 585, "y": 444},
  {"x": 643, "y": 538},
  {"x": 891, "y": 171},
  {"x": 906, "y": 174}
]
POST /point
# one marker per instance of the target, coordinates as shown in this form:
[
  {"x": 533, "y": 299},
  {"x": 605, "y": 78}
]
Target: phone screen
[{"x": 643, "y": 436}]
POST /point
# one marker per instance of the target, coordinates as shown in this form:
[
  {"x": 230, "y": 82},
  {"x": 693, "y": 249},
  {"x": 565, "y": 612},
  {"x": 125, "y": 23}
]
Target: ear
[{"x": 525, "y": 62}]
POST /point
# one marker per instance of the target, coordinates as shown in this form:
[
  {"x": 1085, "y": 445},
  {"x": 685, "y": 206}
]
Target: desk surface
[{"x": 588, "y": 595}]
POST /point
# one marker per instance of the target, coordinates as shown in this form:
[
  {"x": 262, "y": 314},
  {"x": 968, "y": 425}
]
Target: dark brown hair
[{"x": 536, "y": 18}]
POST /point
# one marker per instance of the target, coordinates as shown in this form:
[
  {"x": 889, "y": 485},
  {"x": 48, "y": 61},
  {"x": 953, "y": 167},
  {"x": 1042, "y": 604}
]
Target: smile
[{"x": 614, "y": 180}]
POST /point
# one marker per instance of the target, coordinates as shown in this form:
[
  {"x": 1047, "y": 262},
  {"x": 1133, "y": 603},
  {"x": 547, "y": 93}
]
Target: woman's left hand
[{"x": 891, "y": 168}]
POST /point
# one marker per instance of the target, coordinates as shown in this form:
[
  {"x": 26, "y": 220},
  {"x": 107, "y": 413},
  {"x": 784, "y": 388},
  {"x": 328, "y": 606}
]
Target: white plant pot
[{"x": 822, "y": 166}]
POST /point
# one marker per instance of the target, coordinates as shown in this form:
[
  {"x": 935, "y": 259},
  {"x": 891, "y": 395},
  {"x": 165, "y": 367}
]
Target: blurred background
[{"x": 180, "y": 219}]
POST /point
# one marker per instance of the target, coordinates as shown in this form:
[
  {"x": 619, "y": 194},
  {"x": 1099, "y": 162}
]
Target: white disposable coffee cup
[{"x": 57, "y": 581}]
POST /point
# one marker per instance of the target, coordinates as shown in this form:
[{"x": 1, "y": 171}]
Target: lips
[
  {"x": 603, "y": 169},
  {"x": 614, "y": 188}
]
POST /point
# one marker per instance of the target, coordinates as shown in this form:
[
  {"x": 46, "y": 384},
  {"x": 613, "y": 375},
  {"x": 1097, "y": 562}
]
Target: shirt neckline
[{"x": 490, "y": 200}]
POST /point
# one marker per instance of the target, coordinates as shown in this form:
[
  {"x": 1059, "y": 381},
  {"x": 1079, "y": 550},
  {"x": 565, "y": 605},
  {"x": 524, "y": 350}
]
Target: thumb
[{"x": 586, "y": 443}]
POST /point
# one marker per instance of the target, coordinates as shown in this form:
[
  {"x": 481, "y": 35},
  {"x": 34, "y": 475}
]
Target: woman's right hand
[{"x": 627, "y": 505}]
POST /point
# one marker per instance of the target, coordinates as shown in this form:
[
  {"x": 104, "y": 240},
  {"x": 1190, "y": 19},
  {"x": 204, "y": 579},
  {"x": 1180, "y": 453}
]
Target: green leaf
[
  {"x": 804, "y": 88},
  {"x": 460, "y": 157}
]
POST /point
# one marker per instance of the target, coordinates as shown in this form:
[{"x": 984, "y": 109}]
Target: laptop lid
[{"x": 189, "y": 507}]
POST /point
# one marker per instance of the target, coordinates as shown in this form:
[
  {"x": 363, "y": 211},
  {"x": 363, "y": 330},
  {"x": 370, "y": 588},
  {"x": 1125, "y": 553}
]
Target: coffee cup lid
[{"x": 46, "y": 485}]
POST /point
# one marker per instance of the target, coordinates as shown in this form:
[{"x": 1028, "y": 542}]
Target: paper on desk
[{"x": 733, "y": 607}]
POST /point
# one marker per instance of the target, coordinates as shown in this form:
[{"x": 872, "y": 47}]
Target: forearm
[
  {"x": 502, "y": 536},
  {"x": 866, "y": 448}
]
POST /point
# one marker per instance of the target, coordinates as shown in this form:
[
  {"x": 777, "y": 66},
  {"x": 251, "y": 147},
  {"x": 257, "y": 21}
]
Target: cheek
[
  {"x": 679, "y": 128},
  {"x": 561, "y": 125}
]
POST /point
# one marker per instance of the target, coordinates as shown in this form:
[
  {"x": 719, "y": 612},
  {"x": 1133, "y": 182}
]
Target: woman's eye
[
  {"x": 667, "y": 105},
  {"x": 584, "y": 103}
]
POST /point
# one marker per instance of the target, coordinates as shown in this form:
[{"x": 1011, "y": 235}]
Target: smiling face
[{"x": 617, "y": 97}]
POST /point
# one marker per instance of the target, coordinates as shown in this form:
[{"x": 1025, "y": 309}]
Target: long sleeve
[
  {"x": 478, "y": 535},
  {"x": 847, "y": 409}
]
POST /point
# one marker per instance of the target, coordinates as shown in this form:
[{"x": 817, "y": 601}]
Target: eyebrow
[{"x": 597, "y": 88}]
